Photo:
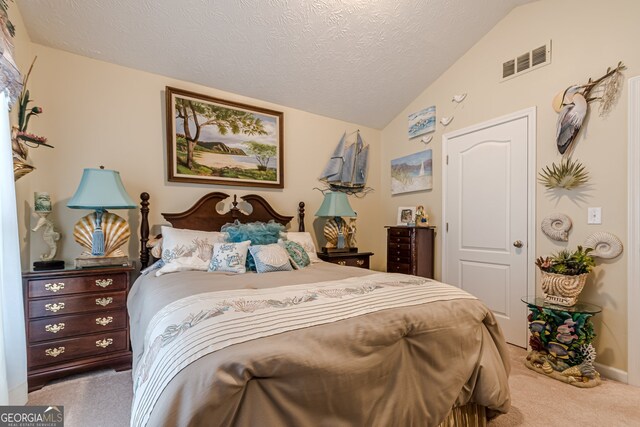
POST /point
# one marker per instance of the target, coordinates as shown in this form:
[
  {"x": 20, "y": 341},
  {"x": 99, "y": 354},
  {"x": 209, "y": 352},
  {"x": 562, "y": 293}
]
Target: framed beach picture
[
  {"x": 412, "y": 173},
  {"x": 406, "y": 216},
  {"x": 214, "y": 141},
  {"x": 423, "y": 121}
]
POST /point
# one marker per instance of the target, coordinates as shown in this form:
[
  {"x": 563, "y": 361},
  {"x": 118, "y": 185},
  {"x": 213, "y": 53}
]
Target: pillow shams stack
[
  {"x": 259, "y": 233},
  {"x": 304, "y": 239},
  {"x": 184, "y": 249}
]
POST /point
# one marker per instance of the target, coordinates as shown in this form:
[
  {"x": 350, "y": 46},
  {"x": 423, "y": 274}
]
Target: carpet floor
[{"x": 103, "y": 399}]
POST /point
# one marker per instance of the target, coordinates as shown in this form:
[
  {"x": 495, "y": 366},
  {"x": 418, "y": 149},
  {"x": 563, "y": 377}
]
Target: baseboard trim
[
  {"x": 612, "y": 373},
  {"x": 18, "y": 395}
]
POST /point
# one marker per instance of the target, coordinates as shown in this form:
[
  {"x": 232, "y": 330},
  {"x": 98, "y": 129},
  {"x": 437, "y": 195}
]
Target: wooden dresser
[
  {"x": 351, "y": 259},
  {"x": 76, "y": 321},
  {"x": 410, "y": 250}
]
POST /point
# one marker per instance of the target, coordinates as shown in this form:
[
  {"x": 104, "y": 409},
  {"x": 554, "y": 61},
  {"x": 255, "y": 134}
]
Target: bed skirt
[{"x": 469, "y": 415}]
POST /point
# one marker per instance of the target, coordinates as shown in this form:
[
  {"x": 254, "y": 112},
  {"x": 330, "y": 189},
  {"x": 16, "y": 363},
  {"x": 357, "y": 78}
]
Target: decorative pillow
[
  {"x": 270, "y": 258},
  {"x": 196, "y": 245},
  {"x": 297, "y": 255},
  {"x": 304, "y": 239},
  {"x": 156, "y": 247},
  {"x": 229, "y": 257},
  {"x": 259, "y": 233},
  {"x": 186, "y": 263}
]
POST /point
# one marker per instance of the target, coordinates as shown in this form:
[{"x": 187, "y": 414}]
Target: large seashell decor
[
  {"x": 331, "y": 232},
  {"x": 556, "y": 226},
  {"x": 116, "y": 232},
  {"x": 604, "y": 245}
]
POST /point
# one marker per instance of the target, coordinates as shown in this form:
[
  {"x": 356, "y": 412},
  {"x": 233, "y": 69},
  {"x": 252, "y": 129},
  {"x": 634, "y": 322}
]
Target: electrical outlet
[{"x": 594, "y": 216}]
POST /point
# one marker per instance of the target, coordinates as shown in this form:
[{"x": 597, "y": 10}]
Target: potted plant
[{"x": 564, "y": 275}]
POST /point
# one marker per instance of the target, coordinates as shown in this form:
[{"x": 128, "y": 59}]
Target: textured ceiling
[{"x": 361, "y": 61}]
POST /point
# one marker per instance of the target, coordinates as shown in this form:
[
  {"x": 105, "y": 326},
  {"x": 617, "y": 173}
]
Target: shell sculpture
[
  {"x": 604, "y": 245},
  {"x": 116, "y": 232},
  {"x": 556, "y": 226},
  {"x": 331, "y": 232}
]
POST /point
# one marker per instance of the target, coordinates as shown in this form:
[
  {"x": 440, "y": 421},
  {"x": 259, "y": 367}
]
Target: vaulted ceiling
[{"x": 360, "y": 61}]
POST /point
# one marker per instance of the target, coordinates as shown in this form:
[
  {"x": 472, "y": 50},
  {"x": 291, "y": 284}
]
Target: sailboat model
[{"x": 347, "y": 167}]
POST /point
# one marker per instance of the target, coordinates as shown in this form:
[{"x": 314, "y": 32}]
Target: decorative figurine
[
  {"x": 42, "y": 207},
  {"x": 422, "y": 219},
  {"x": 352, "y": 233}
]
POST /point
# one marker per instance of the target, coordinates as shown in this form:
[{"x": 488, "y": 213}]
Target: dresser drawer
[
  {"x": 399, "y": 232},
  {"x": 72, "y": 285},
  {"x": 76, "y": 304},
  {"x": 394, "y": 267},
  {"x": 398, "y": 259},
  {"x": 400, "y": 240},
  {"x": 406, "y": 247},
  {"x": 79, "y": 324},
  {"x": 67, "y": 349}
]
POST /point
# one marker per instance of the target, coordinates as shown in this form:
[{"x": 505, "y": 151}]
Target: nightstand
[
  {"x": 76, "y": 320},
  {"x": 351, "y": 259}
]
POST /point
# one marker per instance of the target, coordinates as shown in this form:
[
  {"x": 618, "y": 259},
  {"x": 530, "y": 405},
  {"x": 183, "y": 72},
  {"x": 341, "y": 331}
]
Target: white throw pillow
[
  {"x": 270, "y": 258},
  {"x": 229, "y": 257},
  {"x": 304, "y": 239},
  {"x": 197, "y": 246}
]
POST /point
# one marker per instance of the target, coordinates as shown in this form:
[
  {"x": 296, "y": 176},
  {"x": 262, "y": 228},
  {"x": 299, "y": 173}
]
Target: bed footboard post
[
  {"x": 144, "y": 229},
  {"x": 301, "y": 216}
]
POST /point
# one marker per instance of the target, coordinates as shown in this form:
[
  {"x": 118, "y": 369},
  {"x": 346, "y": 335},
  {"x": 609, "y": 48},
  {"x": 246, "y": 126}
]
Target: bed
[{"x": 325, "y": 345}]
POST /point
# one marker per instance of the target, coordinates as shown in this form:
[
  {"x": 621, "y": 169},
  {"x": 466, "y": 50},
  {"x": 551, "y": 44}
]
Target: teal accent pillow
[
  {"x": 297, "y": 255},
  {"x": 270, "y": 258},
  {"x": 259, "y": 233}
]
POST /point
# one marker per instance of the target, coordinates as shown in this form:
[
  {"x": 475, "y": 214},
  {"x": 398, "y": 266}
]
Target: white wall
[
  {"x": 96, "y": 113},
  {"x": 588, "y": 36}
]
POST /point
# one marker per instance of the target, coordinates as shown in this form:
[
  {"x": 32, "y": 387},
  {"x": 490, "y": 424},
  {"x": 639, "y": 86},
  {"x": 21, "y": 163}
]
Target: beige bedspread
[{"x": 404, "y": 366}]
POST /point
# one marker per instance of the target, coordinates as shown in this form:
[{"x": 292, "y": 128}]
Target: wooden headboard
[{"x": 204, "y": 216}]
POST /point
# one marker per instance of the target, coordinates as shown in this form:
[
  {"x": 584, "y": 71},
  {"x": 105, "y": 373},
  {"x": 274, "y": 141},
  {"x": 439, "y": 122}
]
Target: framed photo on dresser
[{"x": 215, "y": 141}]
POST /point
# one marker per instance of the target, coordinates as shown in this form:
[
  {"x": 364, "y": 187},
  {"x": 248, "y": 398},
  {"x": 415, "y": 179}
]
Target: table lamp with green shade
[
  {"x": 335, "y": 205},
  {"x": 102, "y": 233}
]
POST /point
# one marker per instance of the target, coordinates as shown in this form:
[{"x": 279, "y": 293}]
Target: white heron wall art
[{"x": 572, "y": 104}]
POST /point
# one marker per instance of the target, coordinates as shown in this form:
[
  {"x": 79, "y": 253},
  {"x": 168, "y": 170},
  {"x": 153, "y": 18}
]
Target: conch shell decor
[
  {"x": 116, "y": 233},
  {"x": 331, "y": 231}
]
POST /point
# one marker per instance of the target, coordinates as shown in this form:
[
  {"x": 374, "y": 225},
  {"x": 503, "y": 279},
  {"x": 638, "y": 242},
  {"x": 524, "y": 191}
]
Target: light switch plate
[{"x": 594, "y": 216}]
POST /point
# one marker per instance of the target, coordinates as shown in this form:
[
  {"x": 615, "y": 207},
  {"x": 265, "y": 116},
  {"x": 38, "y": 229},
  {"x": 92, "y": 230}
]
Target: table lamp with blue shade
[
  {"x": 335, "y": 205},
  {"x": 101, "y": 232}
]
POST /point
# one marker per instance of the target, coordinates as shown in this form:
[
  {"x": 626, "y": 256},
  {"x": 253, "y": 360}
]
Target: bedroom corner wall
[
  {"x": 97, "y": 113},
  {"x": 587, "y": 36}
]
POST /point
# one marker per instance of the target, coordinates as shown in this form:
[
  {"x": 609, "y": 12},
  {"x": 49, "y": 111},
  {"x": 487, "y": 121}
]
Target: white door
[{"x": 486, "y": 214}]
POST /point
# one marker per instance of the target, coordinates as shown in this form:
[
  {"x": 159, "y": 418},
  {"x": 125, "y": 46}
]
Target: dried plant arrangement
[{"x": 568, "y": 175}]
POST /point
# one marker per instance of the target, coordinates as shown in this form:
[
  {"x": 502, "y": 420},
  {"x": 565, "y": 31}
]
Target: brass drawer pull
[
  {"x": 104, "y": 321},
  {"x": 104, "y": 343},
  {"x": 104, "y": 301},
  {"x": 54, "y": 352},
  {"x": 342, "y": 262},
  {"x": 54, "y": 329},
  {"x": 103, "y": 283},
  {"x": 54, "y": 287},
  {"x": 54, "y": 307},
  {"x": 360, "y": 262}
]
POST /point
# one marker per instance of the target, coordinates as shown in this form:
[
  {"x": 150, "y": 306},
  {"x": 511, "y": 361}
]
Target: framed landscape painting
[
  {"x": 213, "y": 141},
  {"x": 412, "y": 173}
]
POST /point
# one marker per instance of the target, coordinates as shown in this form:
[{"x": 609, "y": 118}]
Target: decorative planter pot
[{"x": 561, "y": 289}]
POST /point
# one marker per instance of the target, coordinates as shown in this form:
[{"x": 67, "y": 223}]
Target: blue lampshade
[
  {"x": 335, "y": 204},
  {"x": 101, "y": 189}
]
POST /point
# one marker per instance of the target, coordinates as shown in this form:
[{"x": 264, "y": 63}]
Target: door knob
[{"x": 518, "y": 243}]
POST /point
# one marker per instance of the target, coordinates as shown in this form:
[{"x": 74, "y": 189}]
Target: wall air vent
[{"x": 528, "y": 61}]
